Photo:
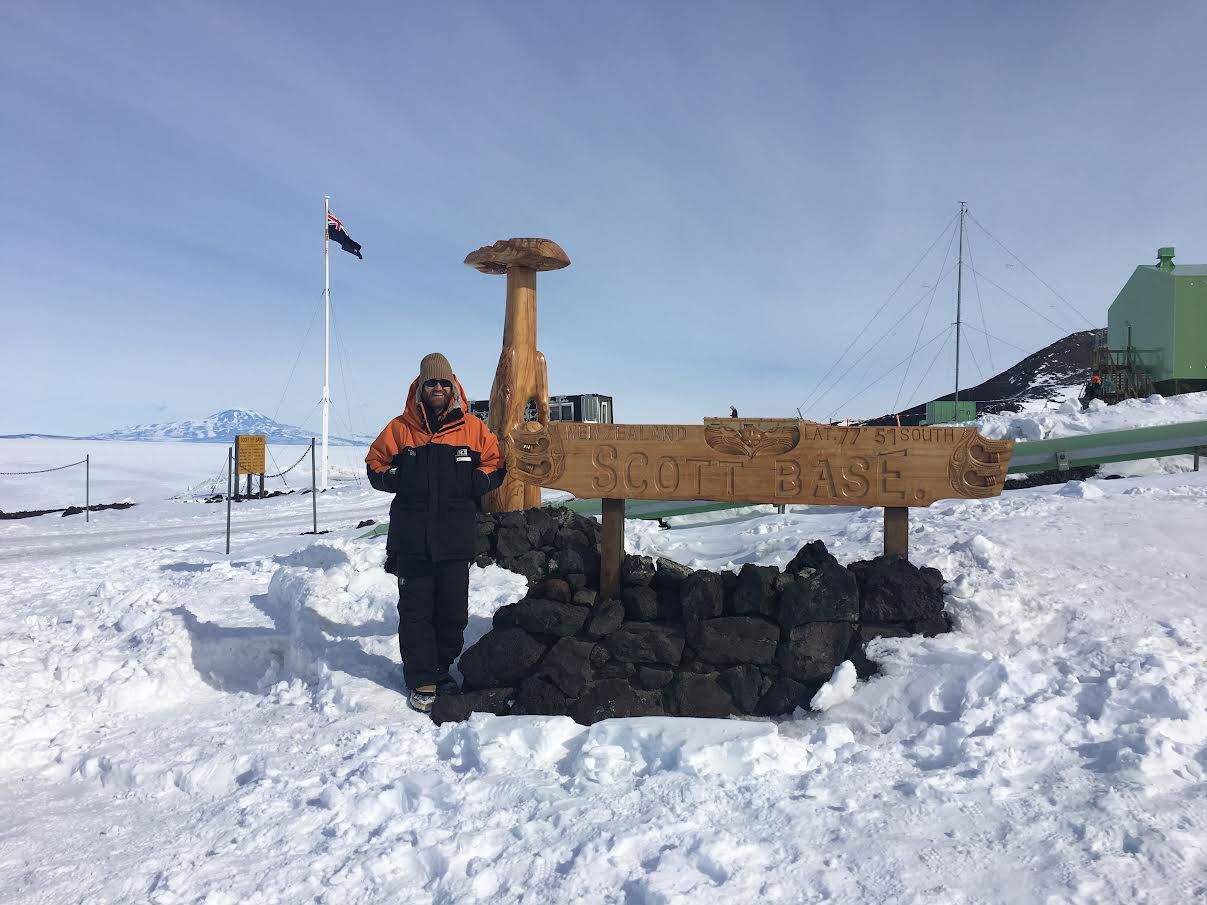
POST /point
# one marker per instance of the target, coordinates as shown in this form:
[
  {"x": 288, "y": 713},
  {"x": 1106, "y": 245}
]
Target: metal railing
[{"x": 1063, "y": 453}]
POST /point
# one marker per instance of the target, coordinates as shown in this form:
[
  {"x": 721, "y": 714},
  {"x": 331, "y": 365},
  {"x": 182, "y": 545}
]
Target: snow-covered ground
[{"x": 181, "y": 726}]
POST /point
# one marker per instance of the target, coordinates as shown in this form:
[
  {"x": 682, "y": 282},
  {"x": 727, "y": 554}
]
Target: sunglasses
[{"x": 432, "y": 384}]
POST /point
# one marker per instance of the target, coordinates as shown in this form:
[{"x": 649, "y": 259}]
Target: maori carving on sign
[
  {"x": 537, "y": 455},
  {"x": 751, "y": 440},
  {"x": 975, "y": 465},
  {"x": 761, "y": 462}
]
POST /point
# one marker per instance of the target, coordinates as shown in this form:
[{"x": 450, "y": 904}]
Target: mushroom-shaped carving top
[{"x": 539, "y": 254}]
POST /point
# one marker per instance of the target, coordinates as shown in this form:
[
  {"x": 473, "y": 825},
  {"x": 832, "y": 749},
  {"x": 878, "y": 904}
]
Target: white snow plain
[{"x": 179, "y": 726}]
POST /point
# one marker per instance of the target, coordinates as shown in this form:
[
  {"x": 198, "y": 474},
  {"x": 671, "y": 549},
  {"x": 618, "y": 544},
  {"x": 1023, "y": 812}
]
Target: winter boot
[{"x": 422, "y": 700}]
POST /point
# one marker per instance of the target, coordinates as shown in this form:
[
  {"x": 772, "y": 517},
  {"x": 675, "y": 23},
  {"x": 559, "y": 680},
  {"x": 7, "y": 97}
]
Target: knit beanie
[{"x": 435, "y": 367}]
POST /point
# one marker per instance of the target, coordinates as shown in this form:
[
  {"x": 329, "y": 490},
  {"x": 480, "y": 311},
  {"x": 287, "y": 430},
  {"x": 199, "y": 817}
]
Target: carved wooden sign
[{"x": 761, "y": 461}]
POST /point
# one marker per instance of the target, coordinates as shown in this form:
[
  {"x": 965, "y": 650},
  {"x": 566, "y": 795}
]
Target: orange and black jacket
[{"x": 437, "y": 469}]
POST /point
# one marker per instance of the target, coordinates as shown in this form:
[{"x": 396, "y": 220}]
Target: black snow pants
[{"x": 433, "y": 610}]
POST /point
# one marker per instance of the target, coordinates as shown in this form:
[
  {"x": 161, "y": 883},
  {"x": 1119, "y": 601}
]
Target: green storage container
[{"x": 945, "y": 411}]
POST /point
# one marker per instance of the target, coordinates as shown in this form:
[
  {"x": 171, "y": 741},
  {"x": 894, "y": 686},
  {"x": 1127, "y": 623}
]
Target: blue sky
[{"x": 739, "y": 187}]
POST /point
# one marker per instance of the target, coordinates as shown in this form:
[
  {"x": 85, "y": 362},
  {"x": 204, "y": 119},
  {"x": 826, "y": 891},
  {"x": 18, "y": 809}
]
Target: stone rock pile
[
  {"x": 677, "y": 642},
  {"x": 552, "y": 542}
]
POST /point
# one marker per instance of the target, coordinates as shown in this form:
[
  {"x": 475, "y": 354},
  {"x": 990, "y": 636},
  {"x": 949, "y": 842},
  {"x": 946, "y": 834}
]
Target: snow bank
[
  {"x": 616, "y": 750},
  {"x": 1041, "y": 421}
]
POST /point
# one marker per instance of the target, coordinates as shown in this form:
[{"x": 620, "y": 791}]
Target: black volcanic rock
[
  {"x": 894, "y": 590},
  {"x": 817, "y": 589},
  {"x": 606, "y": 617},
  {"x": 613, "y": 698},
  {"x": 568, "y": 666},
  {"x": 548, "y": 617},
  {"x": 458, "y": 707},
  {"x": 784, "y": 696},
  {"x": 533, "y": 565},
  {"x": 640, "y": 602},
  {"x": 553, "y": 589},
  {"x": 700, "y": 695},
  {"x": 651, "y": 677},
  {"x": 756, "y": 590},
  {"x": 647, "y": 642},
  {"x": 701, "y": 596},
  {"x": 499, "y": 658},
  {"x": 636, "y": 570},
  {"x": 814, "y": 649},
  {"x": 737, "y": 639},
  {"x": 744, "y": 684},
  {"x": 537, "y": 696}
]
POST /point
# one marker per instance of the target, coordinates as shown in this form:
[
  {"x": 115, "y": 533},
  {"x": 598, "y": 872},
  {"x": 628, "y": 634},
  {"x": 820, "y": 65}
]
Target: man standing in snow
[
  {"x": 438, "y": 460},
  {"x": 1091, "y": 391}
]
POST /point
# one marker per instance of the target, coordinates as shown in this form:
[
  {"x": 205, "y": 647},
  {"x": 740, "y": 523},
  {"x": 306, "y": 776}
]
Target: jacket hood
[{"x": 413, "y": 413}]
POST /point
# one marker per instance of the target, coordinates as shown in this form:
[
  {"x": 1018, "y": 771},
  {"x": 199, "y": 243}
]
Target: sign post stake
[
  {"x": 235, "y": 458},
  {"x": 896, "y": 531},
  {"x": 611, "y": 548},
  {"x": 230, "y": 473},
  {"x": 88, "y": 485}
]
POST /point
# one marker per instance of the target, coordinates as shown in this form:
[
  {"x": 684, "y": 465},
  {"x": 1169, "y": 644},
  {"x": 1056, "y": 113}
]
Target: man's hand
[
  {"x": 390, "y": 479},
  {"x": 484, "y": 483},
  {"x": 480, "y": 482}
]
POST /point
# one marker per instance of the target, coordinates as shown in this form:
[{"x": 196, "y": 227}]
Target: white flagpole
[{"x": 326, "y": 339}]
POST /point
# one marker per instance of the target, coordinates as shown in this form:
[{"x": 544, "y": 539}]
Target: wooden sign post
[
  {"x": 521, "y": 374},
  {"x": 777, "y": 461}
]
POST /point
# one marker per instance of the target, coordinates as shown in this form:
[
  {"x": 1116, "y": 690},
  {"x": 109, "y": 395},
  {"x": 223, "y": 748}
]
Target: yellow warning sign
[{"x": 251, "y": 453}]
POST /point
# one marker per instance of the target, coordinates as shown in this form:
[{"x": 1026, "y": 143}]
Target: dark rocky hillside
[{"x": 1064, "y": 362}]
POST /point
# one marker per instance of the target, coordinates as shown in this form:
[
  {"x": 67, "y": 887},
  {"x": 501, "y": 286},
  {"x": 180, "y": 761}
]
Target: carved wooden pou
[{"x": 521, "y": 375}]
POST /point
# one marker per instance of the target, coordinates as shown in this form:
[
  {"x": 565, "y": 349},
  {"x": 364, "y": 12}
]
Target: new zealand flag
[{"x": 335, "y": 232}]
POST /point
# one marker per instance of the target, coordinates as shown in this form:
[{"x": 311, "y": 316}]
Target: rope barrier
[{"x": 44, "y": 470}]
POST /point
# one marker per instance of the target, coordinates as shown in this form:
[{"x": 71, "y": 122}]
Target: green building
[{"x": 1157, "y": 326}]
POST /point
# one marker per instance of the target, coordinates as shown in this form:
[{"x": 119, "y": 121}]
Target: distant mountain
[
  {"x": 1066, "y": 361},
  {"x": 219, "y": 427}
]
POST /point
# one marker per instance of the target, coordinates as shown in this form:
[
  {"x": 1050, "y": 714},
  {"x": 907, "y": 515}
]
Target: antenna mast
[{"x": 959, "y": 286}]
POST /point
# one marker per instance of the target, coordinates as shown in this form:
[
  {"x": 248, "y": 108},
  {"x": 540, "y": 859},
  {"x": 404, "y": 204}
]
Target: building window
[{"x": 591, "y": 409}]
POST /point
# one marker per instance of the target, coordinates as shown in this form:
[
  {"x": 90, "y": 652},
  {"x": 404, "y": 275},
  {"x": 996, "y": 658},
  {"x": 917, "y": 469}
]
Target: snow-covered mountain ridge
[{"x": 220, "y": 427}]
